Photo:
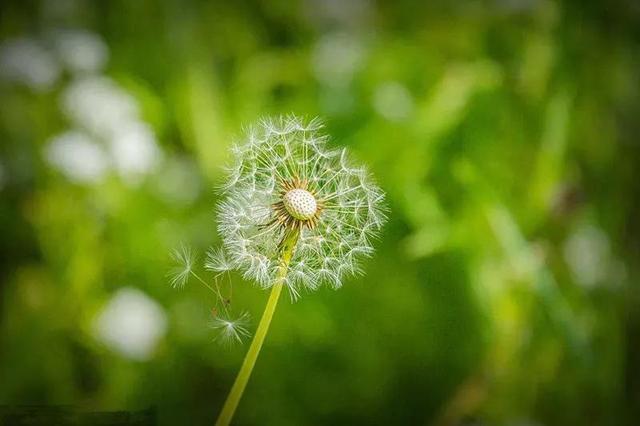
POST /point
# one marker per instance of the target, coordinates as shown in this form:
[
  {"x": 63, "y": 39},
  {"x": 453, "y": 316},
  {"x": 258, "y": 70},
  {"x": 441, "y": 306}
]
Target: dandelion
[
  {"x": 294, "y": 214},
  {"x": 217, "y": 261},
  {"x": 231, "y": 330},
  {"x": 179, "y": 275},
  {"x": 285, "y": 184}
]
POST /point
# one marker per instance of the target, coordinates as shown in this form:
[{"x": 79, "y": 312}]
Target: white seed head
[
  {"x": 282, "y": 175},
  {"x": 300, "y": 203}
]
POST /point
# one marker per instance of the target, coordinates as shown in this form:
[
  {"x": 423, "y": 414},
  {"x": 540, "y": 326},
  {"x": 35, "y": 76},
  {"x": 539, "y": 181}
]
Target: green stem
[{"x": 286, "y": 252}]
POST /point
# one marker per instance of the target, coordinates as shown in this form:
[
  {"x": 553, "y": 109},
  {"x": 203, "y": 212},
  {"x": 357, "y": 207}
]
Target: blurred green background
[{"x": 504, "y": 290}]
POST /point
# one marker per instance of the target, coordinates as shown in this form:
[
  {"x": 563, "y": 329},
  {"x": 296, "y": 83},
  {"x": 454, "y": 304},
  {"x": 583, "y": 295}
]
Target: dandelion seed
[
  {"x": 217, "y": 261},
  {"x": 179, "y": 275},
  {"x": 231, "y": 330},
  {"x": 284, "y": 178}
]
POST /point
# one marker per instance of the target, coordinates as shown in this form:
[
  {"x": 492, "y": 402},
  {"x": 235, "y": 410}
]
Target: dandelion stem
[{"x": 286, "y": 252}]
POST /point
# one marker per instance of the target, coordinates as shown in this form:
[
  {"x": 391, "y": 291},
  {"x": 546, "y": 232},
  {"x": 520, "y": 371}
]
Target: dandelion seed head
[
  {"x": 217, "y": 261},
  {"x": 284, "y": 176}
]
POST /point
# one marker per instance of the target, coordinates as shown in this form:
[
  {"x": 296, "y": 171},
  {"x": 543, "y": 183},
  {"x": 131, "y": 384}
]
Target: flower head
[{"x": 284, "y": 178}]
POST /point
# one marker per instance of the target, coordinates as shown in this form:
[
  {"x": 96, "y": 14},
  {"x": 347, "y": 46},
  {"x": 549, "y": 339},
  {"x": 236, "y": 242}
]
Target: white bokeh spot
[{"x": 131, "y": 324}]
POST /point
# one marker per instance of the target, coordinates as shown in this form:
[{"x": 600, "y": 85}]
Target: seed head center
[{"x": 300, "y": 203}]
